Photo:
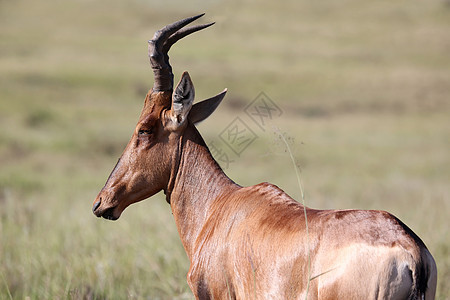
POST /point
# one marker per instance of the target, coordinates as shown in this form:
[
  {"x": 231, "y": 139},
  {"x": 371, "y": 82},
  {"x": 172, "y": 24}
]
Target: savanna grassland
[{"x": 364, "y": 90}]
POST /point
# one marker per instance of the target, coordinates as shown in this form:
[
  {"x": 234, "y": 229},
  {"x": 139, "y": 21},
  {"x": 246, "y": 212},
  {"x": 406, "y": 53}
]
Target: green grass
[{"x": 364, "y": 89}]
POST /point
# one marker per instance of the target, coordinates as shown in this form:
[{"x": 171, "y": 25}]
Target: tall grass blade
[
  {"x": 299, "y": 181},
  {"x": 7, "y": 287}
]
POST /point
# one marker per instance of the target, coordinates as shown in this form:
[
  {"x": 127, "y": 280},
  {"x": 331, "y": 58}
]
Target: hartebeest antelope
[{"x": 252, "y": 242}]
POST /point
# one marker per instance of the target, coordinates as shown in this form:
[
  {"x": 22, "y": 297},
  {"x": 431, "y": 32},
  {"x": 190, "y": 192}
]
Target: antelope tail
[{"x": 424, "y": 278}]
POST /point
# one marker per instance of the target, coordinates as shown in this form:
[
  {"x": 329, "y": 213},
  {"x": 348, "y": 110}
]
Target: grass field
[{"x": 364, "y": 87}]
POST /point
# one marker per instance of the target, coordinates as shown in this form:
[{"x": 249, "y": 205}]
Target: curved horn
[{"x": 159, "y": 46}]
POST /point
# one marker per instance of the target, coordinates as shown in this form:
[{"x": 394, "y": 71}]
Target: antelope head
[{"x": 148, "y": 162}]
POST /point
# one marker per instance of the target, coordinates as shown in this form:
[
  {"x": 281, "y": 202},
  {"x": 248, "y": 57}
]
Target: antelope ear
[
  {"x": 200, "y": 111},
  {"x": 182, "y": 99}
]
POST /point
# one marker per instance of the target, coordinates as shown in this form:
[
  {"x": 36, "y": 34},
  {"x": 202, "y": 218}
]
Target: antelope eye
[{"x": 145, "y": 131}]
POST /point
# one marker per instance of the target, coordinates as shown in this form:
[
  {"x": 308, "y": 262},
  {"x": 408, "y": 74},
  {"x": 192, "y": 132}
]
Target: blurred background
[{"x": 364, "y": 93}]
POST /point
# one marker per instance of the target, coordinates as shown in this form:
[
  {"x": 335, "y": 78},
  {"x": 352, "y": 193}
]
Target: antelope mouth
[{"x": 109, "y": 213}]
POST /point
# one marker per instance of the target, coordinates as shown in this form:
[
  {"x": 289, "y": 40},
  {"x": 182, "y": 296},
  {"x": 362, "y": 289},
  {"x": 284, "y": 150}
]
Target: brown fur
[
  {"x": 255, "y": 242},
  {"x": 247, "y": 242}
]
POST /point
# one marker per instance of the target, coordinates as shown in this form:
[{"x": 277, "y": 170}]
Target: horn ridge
[{"x": 159, "y": 46}]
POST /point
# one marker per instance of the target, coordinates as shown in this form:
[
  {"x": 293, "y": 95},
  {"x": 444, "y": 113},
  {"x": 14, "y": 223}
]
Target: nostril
[{"x": 96, "y": 205}]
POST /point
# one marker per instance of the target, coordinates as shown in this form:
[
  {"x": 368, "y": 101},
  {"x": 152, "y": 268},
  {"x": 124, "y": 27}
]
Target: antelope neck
[{"x": 198, "y": 182}]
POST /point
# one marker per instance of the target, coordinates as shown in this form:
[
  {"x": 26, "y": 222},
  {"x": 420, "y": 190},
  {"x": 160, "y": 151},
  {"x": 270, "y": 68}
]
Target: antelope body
[{"x": 253, "y": 242}]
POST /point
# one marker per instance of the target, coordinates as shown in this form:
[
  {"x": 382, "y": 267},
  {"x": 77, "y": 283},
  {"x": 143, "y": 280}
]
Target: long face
[{"x": 144, "y": 167}]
